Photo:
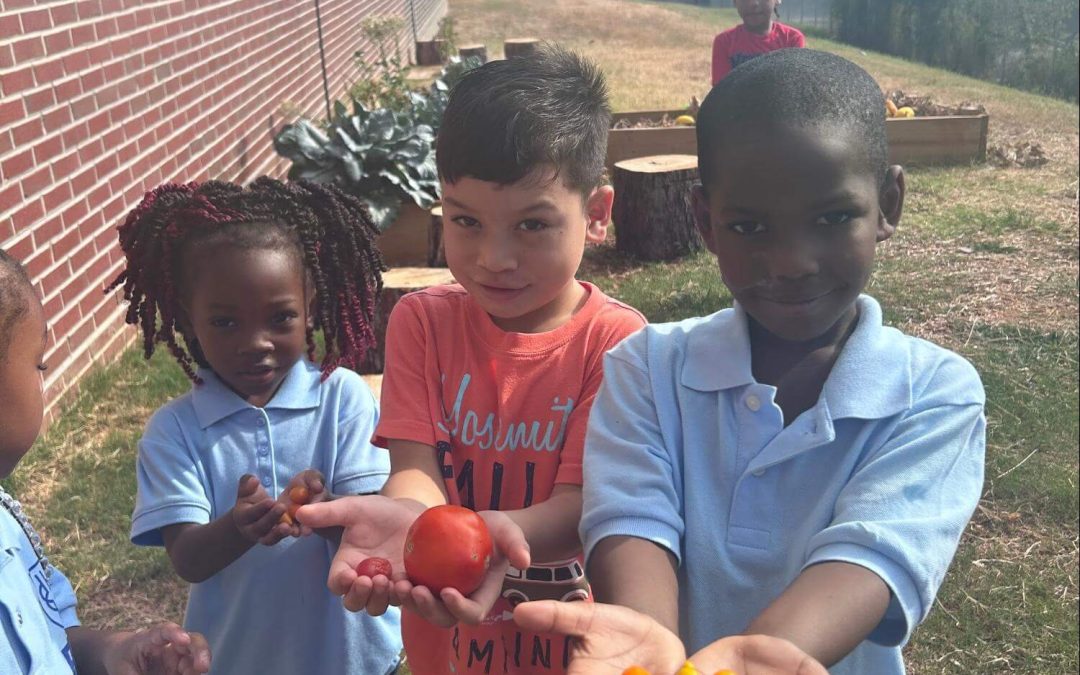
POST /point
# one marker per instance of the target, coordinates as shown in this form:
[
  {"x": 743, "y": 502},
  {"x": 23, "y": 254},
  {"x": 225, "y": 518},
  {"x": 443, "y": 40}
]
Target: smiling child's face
[
  {"x": 21, "y": 403},
  {"x": 248, "y": 308},
  {"x": 756, "y": 15},
  {"x": 793, "y": 218},
  {"x": 516, "y": 248}
]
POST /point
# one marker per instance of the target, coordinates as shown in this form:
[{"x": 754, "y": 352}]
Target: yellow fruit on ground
[
  {"x": 684, "y": 120},
  {"x": 906, "y": 111},
  {"x": 890, "y": 108}
]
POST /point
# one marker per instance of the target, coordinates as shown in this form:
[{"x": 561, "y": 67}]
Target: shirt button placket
[{"x": 262, "y": 450}]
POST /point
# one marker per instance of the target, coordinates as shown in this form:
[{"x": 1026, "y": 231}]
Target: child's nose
[
  {"x": 497, "y": 255},
  {"x": 256, "y": 343},
  {"x": 792, "y": 260}
]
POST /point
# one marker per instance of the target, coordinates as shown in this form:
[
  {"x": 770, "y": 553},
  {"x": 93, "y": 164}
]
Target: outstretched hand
[
  {"x": 450, "y": 606},
  {"x": 164, "y": 649},
  {"x": 756, "y": 655},
  {"x": 374, "y": 527},
  {"x": 607, "y": 639}
]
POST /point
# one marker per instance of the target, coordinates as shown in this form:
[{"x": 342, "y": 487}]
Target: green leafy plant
[
  {"x": 382, "y": 82},
  {"x": 381, "y": 155}
]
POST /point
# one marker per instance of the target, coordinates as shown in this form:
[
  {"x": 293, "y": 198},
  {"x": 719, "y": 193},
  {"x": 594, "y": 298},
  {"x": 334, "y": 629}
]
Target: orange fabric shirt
[{"x": 506, "y": 413}]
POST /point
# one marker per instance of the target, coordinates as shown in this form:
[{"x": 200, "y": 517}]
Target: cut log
[
  {"x": 397, "y": 283},
  {"x": 436, "y": 255},
  {"x": 653, "y": 212},
  {"x": 479, "y": 51},
  {"x": 430, "y": 52},
  {"x": 519, "y": 47}
]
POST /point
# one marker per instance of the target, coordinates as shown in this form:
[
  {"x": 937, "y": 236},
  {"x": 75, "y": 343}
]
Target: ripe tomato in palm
[
  {"x": 448, "y": 547},
  {"x": 370, "y": 567}
]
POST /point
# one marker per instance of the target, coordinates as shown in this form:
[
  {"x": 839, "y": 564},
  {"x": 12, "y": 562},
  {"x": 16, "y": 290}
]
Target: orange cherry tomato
[{"x": 635, "y": 670}]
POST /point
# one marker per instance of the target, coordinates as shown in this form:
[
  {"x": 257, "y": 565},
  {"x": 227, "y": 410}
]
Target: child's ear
[
  {"x": 703, "y": 216},
  {"x": 598, "y": 211},
  {"x": 890, "y": 202}
]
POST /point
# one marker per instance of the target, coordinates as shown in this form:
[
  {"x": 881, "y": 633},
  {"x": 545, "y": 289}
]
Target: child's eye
[
  {"x": 466, "y": 221},
  {"x": 833, "y": 218},
  {"x": 222, "y": 322},
  {"x": 532, "y": 225},
  {"x": 285, "y": 317},
  {"x": 43, "y": 367},
  {"x": 746, "y": 227}
]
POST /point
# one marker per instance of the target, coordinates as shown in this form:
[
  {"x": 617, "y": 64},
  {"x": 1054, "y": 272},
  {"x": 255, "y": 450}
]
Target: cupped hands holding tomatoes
[
  {"x": 446, "y": 542},
  {"x": 613, "y": 640}
]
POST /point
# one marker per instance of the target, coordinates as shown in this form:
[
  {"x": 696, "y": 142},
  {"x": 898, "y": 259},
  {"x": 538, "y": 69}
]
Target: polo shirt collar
[
  {"x": 870, "y": 380},
  {"x": 718, "y": 352},
  {"x": 213, "y": 401}
]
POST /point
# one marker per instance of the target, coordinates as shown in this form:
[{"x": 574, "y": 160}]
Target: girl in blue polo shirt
[
  {"x": 39, "y": 629},
  {"x": 235, "y": 282},
  {"x": 790, "y": 467}
]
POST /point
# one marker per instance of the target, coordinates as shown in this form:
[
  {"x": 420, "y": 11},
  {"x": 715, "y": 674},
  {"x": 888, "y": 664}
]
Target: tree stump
[
  {"x": 397, "y": 283},
  {"x": 430, "y": 52},
  {"x": 653, "y": 212},
  {"x": 436, "y": 255},
  {"x": 478, "y": 50},
  {"x": 520, "y": 47}
]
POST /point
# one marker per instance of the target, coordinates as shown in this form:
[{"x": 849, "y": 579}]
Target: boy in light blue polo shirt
[{"x": 788, "y": 467}]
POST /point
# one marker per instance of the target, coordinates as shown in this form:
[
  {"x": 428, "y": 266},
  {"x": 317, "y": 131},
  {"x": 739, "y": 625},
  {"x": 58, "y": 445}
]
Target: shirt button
[
  {"x": 263, "y": 451},
  {"x": 753, "y": 402},
  {"x": 759, "y": 473},
  {"x": 266, "y": 481}
]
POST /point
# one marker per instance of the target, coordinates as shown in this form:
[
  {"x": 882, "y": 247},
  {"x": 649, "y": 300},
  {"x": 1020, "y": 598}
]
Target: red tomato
[
  {"x": 448, "y": 547},
  {"x": 369, "y": 567}
]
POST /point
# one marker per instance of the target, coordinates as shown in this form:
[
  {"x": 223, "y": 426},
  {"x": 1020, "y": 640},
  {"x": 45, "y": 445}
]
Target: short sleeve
[
  {"x": 171, "y": 488},
  {"x": 721, "y": 63},
  {"x": 903, "y": 511},
  {"x": 63, "y": 595},
  {"x": 405, "y": 397},
  {"x": 629, "y": 486},
  {"x": 360, "y": 467},
  {"x": 798, "y": 39}
]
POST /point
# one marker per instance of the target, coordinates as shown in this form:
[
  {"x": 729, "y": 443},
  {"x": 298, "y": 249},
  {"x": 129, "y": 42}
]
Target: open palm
[
  {"x": 374, "y": 527},
  {"x": 607, "y": 638},
  {"x": 756, "y": 655}
]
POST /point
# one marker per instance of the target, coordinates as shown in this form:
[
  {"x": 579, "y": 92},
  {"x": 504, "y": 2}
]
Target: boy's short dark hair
[
  {"x": 794, "y": 87},
  {"x": 508, "y": 117},
  {"x": 15, "y": 292}
]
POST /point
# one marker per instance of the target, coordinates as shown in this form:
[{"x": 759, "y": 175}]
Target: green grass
[{"x": 984, "y": 262}]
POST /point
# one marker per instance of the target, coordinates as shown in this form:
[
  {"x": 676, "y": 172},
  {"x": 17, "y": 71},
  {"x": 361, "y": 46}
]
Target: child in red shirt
[
  {"x": 489, "y": 382},
  {"x": 758, "y": 34}
]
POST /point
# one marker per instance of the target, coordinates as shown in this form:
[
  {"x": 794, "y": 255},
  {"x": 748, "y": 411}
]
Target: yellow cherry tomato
[
  {"x": 688, "y": 669},
  {"x": 684, "y": 120}
]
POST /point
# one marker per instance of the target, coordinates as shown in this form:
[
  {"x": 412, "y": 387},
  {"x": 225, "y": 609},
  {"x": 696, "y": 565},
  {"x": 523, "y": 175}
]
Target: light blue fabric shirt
[
  {"x": 269, "y": 611},
  {"x": 687, "y": 450},
  {"x": 35, "y": 612}
]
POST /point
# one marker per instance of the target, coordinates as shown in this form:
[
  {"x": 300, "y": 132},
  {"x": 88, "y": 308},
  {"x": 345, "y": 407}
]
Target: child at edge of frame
[
  {"x": 235, "y": 281},
  {"x": 759, "y": 33},
  {"x": 40, "y": 631},
  {"x": 789, "y": 468},
  {"x": 488, "y": 383}
]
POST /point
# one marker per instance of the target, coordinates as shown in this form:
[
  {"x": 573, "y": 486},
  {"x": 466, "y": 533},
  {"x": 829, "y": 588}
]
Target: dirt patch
[
  {"x": 115, "y": 605},
  {"x": 1023, "y": 154}
]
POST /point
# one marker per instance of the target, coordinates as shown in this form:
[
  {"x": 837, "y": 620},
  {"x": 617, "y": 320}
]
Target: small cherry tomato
[
  {"x": 448, "y": 547},
  {"x": 635, "y": 670},
  {"x": 299, "y": 495},
  {"x": 370, "y": 567},
  {"x": 687, "y": 669}
]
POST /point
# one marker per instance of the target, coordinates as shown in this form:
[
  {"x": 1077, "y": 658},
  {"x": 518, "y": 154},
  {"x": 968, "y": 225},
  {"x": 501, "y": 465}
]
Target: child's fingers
[
  {"x": 248, "y": 514},
  {"x": 379, "y": 599},
  {"x": 431, "y": 608},
  {"x": 508, "y": 538},
  {"x": 247, "y": 486},
  {"x": 356, "y": 598},
  {"x": 465, "y": 609},
  {"x": 337, "y": 513},
  {"x": 551, "y": 616}
]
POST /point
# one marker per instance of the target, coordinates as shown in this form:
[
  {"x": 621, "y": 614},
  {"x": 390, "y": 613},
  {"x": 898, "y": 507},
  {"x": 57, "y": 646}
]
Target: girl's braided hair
[{"x": 330, "y": 231}]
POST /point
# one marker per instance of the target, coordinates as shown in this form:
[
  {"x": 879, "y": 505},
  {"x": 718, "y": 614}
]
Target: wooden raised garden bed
[{"x": 951, "y": 139}]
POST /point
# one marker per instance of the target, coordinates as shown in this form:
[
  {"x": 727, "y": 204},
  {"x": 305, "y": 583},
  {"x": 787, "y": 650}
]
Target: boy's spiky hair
[
  {"x": 508, "y": 117},
  {"x": 15, "y": 293},
  {"x": 796, "y": 88},
  {"x": 329, "y": 231}
]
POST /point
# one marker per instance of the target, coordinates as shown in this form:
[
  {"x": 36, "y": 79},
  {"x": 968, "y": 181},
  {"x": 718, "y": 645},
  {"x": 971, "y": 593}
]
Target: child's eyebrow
[
  {"x": 541, "y": 205},
  {"x": 455, "y": 203},
  {"x": 843, "y": 196}
]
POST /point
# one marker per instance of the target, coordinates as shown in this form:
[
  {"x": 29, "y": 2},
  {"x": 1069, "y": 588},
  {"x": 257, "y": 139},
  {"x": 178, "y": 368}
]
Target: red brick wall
[{"x": 101, "y": 100}]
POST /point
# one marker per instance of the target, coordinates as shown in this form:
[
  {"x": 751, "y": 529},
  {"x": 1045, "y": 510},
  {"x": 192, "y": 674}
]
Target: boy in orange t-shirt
[{"x": 488, "y": 384}]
